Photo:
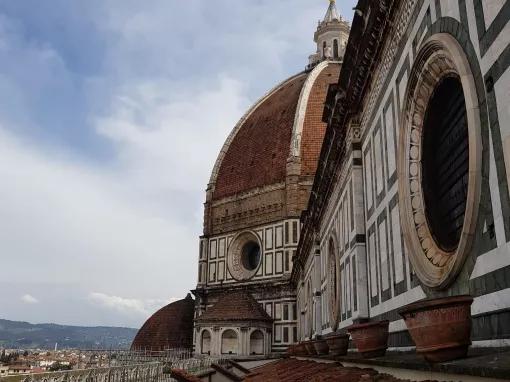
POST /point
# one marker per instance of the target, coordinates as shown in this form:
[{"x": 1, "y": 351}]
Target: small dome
[{"x": 171, "y": 327}]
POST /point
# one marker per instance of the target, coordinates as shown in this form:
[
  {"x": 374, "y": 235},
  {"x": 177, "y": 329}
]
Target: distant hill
[{"x": 18, "y": 334}]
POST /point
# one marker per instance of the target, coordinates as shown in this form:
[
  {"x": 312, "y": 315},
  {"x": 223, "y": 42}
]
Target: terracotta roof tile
[
  {"x": 257, "y": 156},
  {"x": 182, "y": 376},
  {"x": 294, "y": 370},
  {"x": 235, "y": 306},
  {"x": 313, "y": 127}
]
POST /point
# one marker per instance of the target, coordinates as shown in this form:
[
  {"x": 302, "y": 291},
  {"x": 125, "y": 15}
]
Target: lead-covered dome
[{"x": 171, "y": 327}]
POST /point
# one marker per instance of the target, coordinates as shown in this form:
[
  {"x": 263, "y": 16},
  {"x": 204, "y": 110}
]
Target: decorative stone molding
[
  {"x": 353, "y": 133},
  {"x": 441, "y": 56},
  {"x": 404, "y": 13},
  {"x": 235, "y": 262}
]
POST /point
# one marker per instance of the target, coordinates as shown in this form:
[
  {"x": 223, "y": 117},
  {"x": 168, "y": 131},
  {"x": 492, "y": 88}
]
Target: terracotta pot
[
  {"x": 310, "y": 348},
  {"x": 300, "y": 349},
  {"x": 440, "y": 328},
  {"x": 321, "y": 347},
  {"x": 371, "y": 338},
  {"x": 338, "y": 344}
]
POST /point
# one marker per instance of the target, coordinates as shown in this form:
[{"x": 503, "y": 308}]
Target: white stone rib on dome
[{"x": 297, "y": 129}]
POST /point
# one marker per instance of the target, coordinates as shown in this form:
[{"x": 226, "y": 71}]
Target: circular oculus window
[
  {"x": 244, "y": 256},
  {"x": 445, "y": 162},
  {"x": 439, "y": 161}
]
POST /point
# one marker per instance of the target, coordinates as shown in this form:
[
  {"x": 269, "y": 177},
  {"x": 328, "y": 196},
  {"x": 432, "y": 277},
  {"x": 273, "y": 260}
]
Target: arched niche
[
  {"x": 229, "y": 342},
  {"x": 257, "y": 342}
]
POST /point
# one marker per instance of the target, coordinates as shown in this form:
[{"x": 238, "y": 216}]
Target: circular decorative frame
[
  {"x": 441, "y": 56},
  {"x": 234, "y": 256},
  {"x": 334, "y": 296}
]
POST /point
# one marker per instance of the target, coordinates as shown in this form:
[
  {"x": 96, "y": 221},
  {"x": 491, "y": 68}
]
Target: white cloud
[
  {"x": 167, "y": 136},
  {"x": 128, "y": 227},
  {"x": 143, "y": 308},
  {"x": 162, "y": 92},
  {"x": 29, "y": 299}
]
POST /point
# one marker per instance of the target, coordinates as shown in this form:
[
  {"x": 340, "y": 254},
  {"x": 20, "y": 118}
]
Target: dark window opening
[
  {"x": 335, "y": 48},
  {"x": 445, "y": 163},
  {"x": 250, "y": 255},
  {"x": 332, "y": 257}
]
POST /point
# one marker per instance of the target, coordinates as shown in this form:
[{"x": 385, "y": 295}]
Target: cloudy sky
[{"x": 112, "y": 113}]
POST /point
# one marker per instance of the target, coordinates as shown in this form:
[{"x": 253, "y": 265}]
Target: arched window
[
  {"x": 309, "y": 310},
  {"x": 257, "y": 342},
  {"x": 335, "y": 48},
  {"x": 229, "y": 343},
  {"x": 334, "y": 286},
  {"x": 324, "y": 49},
  {"x": 333, "y": 269},
  {"x": 206, "y": 342}
]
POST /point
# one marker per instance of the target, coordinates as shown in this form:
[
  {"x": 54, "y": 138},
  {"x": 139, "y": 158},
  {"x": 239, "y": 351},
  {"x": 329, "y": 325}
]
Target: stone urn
[
  {"x": 338, "y": 344},
  {"x": 370, "y": 338},
  {"x": 321, "y": 346},
  {"x": 441, "y": 327},
  {"x": 310, "y": 349}
]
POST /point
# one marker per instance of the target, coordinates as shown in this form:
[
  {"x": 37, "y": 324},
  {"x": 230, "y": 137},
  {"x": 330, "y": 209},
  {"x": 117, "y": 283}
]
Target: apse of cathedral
[{"x": 376, "y": 178}]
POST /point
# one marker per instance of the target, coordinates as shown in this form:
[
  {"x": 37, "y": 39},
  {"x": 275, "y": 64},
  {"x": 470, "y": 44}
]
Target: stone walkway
[{"x": 481, "y": 362}]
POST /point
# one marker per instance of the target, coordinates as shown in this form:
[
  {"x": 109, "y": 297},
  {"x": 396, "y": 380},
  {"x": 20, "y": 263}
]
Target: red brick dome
[
  {"x": 258, "y": 149},
  {"x": 170, "y": 327}
]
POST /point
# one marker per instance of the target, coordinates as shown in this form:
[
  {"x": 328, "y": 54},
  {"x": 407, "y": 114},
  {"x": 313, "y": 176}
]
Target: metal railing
[
  {"x": 153, "y": 372},
  {"x": 125, "y": 366}
]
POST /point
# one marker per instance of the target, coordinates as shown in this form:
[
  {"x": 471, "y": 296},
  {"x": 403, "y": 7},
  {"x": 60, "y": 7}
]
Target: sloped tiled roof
[
  {"x": 170, "y": 327},
  {"x": 294, "y": 370},
  {"x": 235, "y": 306}
]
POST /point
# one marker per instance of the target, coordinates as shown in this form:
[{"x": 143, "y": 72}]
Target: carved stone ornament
[
  {"x": 440, "y": 56},
  {"x": 235, "y": 256}
]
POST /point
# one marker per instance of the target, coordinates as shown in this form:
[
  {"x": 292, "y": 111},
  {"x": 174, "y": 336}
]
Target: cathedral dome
[
  {"x": 284, "y": 125},
  {"x": 171, "y": 327}
]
